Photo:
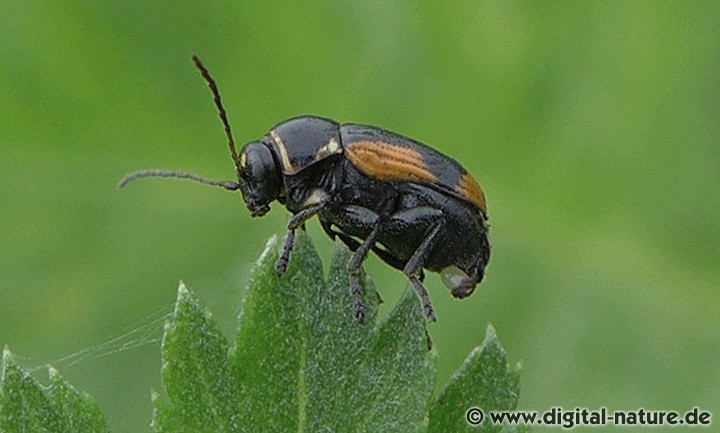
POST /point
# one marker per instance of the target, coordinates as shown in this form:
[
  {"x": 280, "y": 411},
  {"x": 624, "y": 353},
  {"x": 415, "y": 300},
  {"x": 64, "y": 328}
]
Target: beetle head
[{"x": 258, "y": 176}]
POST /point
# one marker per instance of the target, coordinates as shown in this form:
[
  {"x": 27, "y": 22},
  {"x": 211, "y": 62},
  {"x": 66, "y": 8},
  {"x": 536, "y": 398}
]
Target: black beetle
[{"x": 374, "y": 189}]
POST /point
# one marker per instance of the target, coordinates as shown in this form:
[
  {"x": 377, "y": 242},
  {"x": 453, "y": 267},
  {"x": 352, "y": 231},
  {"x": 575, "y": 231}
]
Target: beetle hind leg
[
  {"x": 413, "y": 269},
  {"x": 421, "y": 216}
]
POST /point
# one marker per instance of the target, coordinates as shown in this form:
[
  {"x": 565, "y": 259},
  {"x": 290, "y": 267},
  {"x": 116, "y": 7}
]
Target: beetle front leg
[{"x": 296, "y": 221}]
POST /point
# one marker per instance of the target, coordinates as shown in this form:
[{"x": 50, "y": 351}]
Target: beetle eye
[
  {"x": 250, "y": 169},
  {"x": 256, "y": 163},
  {"x": 259, "y": 177}
]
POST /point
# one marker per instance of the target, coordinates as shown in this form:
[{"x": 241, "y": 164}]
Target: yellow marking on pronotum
[
  {"x": 330, "y": 148},
  {"x": 469, "y": 188},
  {"x": 287, "y": 165},
  {"x": 389, "y": 162}
]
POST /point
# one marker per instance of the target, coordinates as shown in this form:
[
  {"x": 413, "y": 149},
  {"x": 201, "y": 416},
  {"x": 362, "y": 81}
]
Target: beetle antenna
[
  {"x": 218, "y": 103},
  {"x": 227, "y": 184}
]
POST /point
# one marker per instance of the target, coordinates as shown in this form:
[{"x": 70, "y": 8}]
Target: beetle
[{"x": 374, "y": 189}]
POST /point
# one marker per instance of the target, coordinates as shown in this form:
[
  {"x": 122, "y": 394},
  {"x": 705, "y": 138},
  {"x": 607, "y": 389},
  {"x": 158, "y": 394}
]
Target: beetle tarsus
[
  {"x": 424, "y": 298},
  {"x": 358, "y": 305},
  {"x": 360, "y": 312},
  {"x": 282, "y": 264}
]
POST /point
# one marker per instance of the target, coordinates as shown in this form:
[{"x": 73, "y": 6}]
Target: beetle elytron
[{"x": 375, "y": 190}]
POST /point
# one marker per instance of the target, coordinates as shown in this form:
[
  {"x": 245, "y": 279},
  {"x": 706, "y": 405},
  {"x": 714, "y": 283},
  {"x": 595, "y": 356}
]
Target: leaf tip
[
  {"x": 53, "y": 373},
  {"x": 6, "y": 351},
  {"x": 6, "y": 357},
  {"x": 3, "y": 363},
  {"x": 183, "y": 291},
  {"x": 184, "y": 295},
  {"x": 490, "y": 335}
]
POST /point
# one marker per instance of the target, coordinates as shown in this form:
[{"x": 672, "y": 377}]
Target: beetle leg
[
  {"x": 296, "y": 221},
  {"x": 353, "y": 245},
  {"x": 422, "y": 215},
  {"x": 414, "y": 266},
  {"x": 358, "y": 216},
  {"x": 354, "y": 266}
]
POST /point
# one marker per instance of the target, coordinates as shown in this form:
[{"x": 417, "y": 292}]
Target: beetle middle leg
[
  {"x": 353, "y": 245},
  {"x": 365, "y": 219},
  {"x": 354, "y": 266},
  {"x": 296, "y": 221}
]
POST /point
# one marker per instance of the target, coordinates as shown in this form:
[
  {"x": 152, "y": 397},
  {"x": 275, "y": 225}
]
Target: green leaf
[
  {"x": 302, "y": 363},
  {"x": 364, "y": 377},
  {"x": 27, "y": 406},
  {"x": 196, "y": 373},
  {"x": 271, "y": 350},
  {"x": 485, "y": 381}
]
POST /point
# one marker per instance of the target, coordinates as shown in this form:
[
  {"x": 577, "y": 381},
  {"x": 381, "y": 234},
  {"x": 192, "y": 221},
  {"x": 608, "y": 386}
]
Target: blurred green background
[{"x": 594, "y": 128}]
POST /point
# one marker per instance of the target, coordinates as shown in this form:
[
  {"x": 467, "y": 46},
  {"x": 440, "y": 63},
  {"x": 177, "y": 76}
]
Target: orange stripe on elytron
[
  {"x": 389, "y": 162},
  {"x": 469, "y": 188}
]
